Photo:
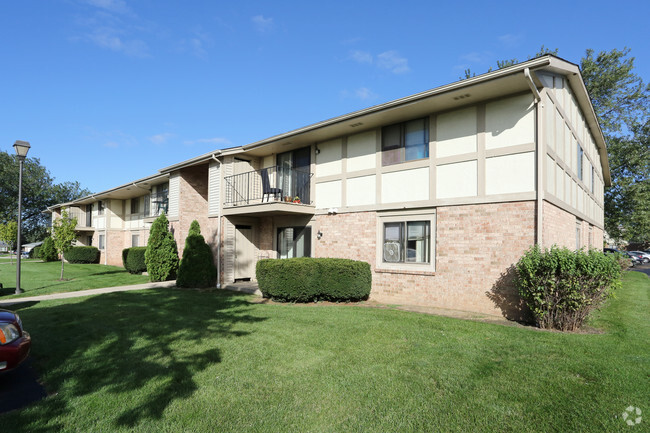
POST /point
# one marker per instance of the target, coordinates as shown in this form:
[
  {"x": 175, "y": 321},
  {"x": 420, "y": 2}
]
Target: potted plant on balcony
[
  {"x": 296, "y": 199},
  {"x": 287, "y": 198}
]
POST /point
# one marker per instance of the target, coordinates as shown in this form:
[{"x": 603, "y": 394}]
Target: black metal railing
[
  {"x": 159, "y": 204},
  {"x": 268, "y": 184}
]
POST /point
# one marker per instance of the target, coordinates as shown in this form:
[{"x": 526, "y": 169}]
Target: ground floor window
[
  {"x": 135, "y": 240},
  {"x": 406, "y": 240},
  {"x": 294, "y": 242},
  {"x": 101, "y": 242}
]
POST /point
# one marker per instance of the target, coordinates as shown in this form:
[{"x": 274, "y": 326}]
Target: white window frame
[
  {"x": 101, "y": 242},
  {"x": 428, "y": 215}
]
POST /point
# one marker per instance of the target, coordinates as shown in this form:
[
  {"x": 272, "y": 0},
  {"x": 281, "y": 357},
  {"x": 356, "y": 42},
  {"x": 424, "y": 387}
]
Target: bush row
[
  {"x": 308, "y": 279},
  {"x": 133, "y": 259},
  {"x": 82, "y": 254},
  {"x": 561, "y": 287}
]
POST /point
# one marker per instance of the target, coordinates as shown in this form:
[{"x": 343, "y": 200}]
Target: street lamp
[{"x": 22, "y": 147}]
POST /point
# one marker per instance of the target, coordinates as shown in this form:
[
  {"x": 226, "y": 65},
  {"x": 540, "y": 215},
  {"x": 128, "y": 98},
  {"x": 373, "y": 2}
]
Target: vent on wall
[{"x": 466, "y": 95}]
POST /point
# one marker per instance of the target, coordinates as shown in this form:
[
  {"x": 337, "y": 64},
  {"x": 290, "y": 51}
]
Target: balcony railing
[
  {"x": 159, "y": 204},
  {"x": 268, "y": 184}
]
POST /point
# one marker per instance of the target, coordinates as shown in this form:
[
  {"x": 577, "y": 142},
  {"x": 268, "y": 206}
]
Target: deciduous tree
[{"x": 63, "y": 234}]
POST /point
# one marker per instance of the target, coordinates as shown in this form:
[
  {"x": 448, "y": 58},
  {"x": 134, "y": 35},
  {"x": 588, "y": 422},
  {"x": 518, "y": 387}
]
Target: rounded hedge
[
  {"x": 307, "y": 279},
  {"x": 83, "y": 255},
  {"x": 197, "y": 268},
  {"x": 35, "y": 252},
  {"x": 133, "y": 259}
]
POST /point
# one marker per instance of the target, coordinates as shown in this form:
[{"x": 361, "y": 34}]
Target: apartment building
[{"x": 440, "y": 192}]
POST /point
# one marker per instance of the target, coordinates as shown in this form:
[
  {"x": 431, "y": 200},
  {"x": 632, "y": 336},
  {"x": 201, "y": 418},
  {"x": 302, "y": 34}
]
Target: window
[
  {"x": 147, "y": 205},
  {"x": 405, "y": 141},
  {"x": 407, "y": 242},
  {"x": 135, "y": 205},
  {"x": 593, "y": 176},
  {"x": 578, "y": 240},
  {"x": 580, "y": 153},
  {"x": 101, "y": 242},
  {"x": 294, "y": 242},
  {"x": 89, "y": 216},
  {"x": 89, "y": 240},
  {"x": 100, "y": 207},
  {"x": 135, "y": 240}
]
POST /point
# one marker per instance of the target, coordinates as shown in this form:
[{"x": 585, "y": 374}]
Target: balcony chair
[{"x": 266, "y": 187}]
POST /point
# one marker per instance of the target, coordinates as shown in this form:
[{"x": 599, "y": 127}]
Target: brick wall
[
  {"x": 192, "y": 204},
  {"x": 475, "y": 248},
  {"x": 559, "y": 227}
]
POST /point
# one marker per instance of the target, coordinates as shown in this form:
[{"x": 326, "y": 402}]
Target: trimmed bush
[
  {"x": 133, "y": 259},
  {"x": 307, "y": 279},
  {"x": 35, "y": 252},
  {"x": 48, "y": 251},
  {"x": 161, "y": 255},
  {"x": 197, "y": 265},
  {"x": 84, "y": 255},
  {"x": 562, "y": 287}
]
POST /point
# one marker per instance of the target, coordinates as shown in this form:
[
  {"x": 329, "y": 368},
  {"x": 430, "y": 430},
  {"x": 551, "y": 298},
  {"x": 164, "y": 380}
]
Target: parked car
[
  {"x": 15, "y": 342},
  {"x": 645, "y": 257},
  {"x": 636, "y": 260}
]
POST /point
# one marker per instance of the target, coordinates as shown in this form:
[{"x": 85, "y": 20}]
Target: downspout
[
  {"x": 539, "y": 145},
  {"x": 218, "y": 226},
  {"x": 106, "y": 220}
]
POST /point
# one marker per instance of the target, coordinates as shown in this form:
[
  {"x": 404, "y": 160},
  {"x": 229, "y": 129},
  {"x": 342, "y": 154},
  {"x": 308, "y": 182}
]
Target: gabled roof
[{"x": 493, "y": 84}]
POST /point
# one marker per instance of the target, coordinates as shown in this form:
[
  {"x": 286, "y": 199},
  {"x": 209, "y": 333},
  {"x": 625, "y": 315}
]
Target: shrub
[
  {"x": 308, "y": 279},
  {"x": 197, "y": 265},
  {"x": 561, "y": 287},
  {"x": 35, "y": 252},
  {"x": 48, "y": 252},
  {"x": 82, "y": 255},
  {"x": 161, "y": 255},
  {"x": 133, "y": 259}
]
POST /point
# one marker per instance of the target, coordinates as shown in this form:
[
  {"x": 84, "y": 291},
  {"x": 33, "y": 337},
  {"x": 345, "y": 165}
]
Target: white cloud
[
  {"x": 215, "y": 141},
  {"x": 511, "y": 40},
  {"x": 364, "y": 93},
  {"x": 392, "y": 61},
  {"x": 197, "y": 44},
  {"x": 111, "y": 39},
  {"x": 361, "y": 56},
  {"x": 116, "y": 6},
  {"x": 161, "y": 138},
  {"x": 262, "y": 24}
]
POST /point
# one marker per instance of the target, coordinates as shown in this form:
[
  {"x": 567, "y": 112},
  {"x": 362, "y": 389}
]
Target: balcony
[
  {"x": 83, "y": 222},
  {"x": 276, "y": 190}
]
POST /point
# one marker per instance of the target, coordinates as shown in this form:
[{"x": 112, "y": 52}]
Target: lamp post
[{"x": 22, "y": 147}]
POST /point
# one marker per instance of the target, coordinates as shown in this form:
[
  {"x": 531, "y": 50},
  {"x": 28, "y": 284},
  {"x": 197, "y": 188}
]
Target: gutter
[
  {"x": 540, "y": 159},
  {"x": 219, "y": 225}
]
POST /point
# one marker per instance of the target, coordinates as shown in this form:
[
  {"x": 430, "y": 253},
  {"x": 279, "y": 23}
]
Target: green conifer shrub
[
  {"x": 48, "y": 251},
  {"x": 161, "y": 255},
  {"x": 197, "y": 265}
]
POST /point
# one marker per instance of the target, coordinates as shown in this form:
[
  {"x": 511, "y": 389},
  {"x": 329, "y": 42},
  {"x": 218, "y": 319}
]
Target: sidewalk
[{"x": 90, "y": 292}]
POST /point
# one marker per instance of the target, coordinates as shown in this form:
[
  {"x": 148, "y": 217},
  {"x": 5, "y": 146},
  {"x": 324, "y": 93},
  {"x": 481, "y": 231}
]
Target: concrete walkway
[{"x": 89, "y": 292}]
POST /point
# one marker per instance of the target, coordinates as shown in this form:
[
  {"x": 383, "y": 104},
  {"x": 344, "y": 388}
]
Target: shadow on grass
[{"x": 129, "y": 355}]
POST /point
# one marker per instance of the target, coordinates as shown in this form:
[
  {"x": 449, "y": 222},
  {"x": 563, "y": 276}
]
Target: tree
[
  {"x": 622, "y": 103},
  {"x": 161, "y": 256},
  {"x": 39, "y": 192},
  {"x": 63, "y": 234},
  {"x": 197, "y": 266},
  {"x": 9, "y": 235},
  {"x": 48, "y": 251}
]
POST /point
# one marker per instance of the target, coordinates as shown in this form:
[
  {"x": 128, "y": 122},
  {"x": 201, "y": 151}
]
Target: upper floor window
[
  {"x": 100, "y": 207},
  {"x": 405, "y": 141},
  {"x": 135, "y": 205},
  {"x": 580, "y": 154}
]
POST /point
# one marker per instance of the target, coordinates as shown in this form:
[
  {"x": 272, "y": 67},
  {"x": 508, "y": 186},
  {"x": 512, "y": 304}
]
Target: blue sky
[{"x": 109, "y": 91}]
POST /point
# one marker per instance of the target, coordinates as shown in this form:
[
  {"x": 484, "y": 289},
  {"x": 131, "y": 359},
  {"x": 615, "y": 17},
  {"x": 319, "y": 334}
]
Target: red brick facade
[{"x": 475, "y": 247}]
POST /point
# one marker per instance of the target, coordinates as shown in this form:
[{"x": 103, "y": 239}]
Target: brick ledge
[{"x": 403, "y": 271}]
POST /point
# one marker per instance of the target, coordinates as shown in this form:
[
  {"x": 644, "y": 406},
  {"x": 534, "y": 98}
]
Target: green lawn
[
  {"x": 174, "y": 360},
  {"x": 39, "y": 278}
]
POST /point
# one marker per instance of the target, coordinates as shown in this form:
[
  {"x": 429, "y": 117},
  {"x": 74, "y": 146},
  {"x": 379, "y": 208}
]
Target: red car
[{"x": 14, "y": 341}]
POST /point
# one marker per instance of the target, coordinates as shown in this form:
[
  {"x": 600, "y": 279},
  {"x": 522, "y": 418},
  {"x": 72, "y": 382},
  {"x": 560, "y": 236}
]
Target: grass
[
  {"x": 40, "y": 278},
  {"x": 174, "y": 360}
]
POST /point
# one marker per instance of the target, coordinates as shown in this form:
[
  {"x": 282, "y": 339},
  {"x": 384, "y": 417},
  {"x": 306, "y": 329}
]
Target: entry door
[{"x": 244, "y": 253}]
